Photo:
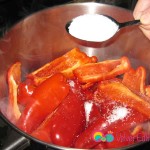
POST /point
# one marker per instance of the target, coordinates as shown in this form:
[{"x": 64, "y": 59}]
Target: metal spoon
[{"x": 95, "y": 27}]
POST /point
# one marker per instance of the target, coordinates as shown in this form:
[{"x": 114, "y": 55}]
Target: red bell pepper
[
  {"x": 94, "y": 72},
  {"x": 100, "y": 146},
  {"x": 135, "y": 79},
  {"x": 64, "y": 64},
  {"x": 45, "y": 100},
  {"x": 14, "y": 78},
  {"x": 121, "y": 139},
  {"x": 147, "y": 90},
  {"x": 25, "y": 90},
  {"x": 43, "y": 131},
  {"x": 66, "y": 123},
  {"x": 137, "y": 129},
  {"x": 117, "y": 91},
  {"x": 92, "y": 112},
  {"x": 118, "y": 118}
]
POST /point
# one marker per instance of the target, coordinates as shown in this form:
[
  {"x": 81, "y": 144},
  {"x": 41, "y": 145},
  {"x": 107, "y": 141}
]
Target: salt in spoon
[{"x": 95, "y": 27}]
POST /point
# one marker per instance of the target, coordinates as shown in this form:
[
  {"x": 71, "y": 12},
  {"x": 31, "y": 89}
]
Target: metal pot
[{"x": 42, "y": 37}]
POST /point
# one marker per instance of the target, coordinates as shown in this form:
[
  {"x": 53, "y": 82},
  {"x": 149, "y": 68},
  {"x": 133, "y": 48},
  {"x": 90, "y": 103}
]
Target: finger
[
  {"x": 145, "y": 17},
  {"x": 146, "y": 27},
  {"x": 140, "y": 7},
  {"x": 146, "y": 31}
]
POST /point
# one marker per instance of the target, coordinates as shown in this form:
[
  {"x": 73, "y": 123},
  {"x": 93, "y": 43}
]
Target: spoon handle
[{"x": 129, "y": 23}]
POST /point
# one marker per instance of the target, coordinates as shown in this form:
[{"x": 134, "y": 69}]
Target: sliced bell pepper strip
[
  {"x": 121, "y": 139},
  {"x": 69, "y": 121},
  {"x": 92, "y": 112},
  {"x": 117, "y": 91},
  {"x": 100, "y": 146},
  {"x": 65, "y": 124},
  {"x": 147, "y": 90},
  {"x": 14, "y": 78},
  {"x": 64, "y": 64},
  {"x": 46, "y": 98},
  {"x": 25, "y": 90},
  {"x": 43, "y": 131},
  {"x": 112, "y": 121},
  {"x": 135, "y": 79},
  {"x": 87, "y": 85},
  {"x": 136, "y": 130},
  {"x": 94, "y": 72}
]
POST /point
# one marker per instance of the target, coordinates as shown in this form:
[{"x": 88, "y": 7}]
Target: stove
[{"x": 11, "y": 12}]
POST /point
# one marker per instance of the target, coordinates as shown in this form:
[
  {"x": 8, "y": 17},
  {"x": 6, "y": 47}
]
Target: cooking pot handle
[
  {"x": 19, "y": 143},
  {"x": 10, "y": 139}
]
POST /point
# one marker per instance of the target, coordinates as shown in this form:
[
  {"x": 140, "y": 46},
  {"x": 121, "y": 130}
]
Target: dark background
[{"x": 11, "y": 11}]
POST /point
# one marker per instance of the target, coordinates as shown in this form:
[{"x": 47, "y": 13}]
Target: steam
[{"x": 3, "y": 106}]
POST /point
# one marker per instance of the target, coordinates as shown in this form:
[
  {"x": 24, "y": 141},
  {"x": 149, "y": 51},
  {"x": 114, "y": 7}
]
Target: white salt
[
  {"x": 118, "y": 113},
  {"x": 93, "y": 27},
  {"x": 88, "y": 109}
]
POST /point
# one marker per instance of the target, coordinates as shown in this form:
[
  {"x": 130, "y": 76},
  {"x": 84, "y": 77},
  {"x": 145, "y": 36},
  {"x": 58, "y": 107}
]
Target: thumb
[
  {"x": 145, "y": 17},
  {"x": 140, "y": 7}
]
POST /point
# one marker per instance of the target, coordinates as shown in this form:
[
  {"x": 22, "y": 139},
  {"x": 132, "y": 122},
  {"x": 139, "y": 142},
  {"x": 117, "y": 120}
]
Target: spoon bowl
[{"x": 95, "y": 27}]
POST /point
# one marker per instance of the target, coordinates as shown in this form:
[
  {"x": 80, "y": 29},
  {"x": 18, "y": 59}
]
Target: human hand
[{"x": 142, "y": 12}]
